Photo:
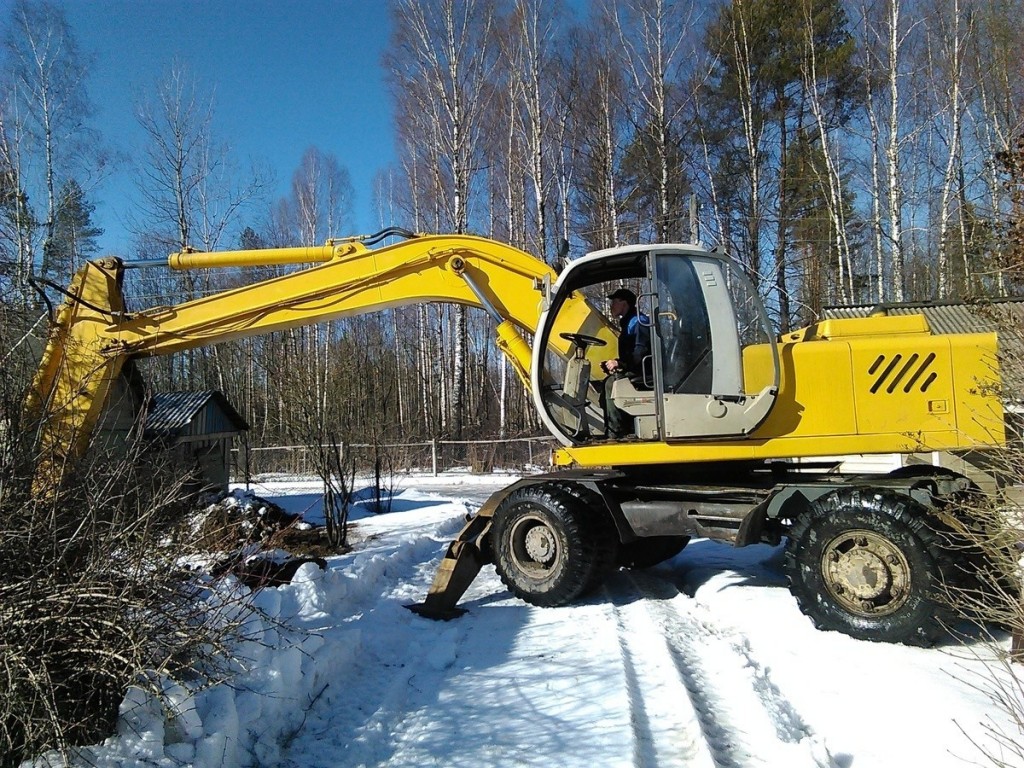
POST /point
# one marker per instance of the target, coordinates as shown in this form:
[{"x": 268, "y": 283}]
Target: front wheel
[
  {"x": 544, "y": 550},
  {"x": 869, "y": 563}
]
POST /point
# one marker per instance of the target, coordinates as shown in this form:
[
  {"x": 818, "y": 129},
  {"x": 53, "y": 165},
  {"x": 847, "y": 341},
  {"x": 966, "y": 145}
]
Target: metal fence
[{"x": 434, "y": 456}]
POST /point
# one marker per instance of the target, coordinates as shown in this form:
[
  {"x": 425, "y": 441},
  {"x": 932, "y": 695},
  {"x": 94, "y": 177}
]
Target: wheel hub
[
  {"x": 866, "y": 573},
  {"x": 540, "y": 544},
  {"x": 534, "y": 546}
]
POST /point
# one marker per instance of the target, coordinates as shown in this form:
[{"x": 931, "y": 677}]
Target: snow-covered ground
[{"x": 701, "y": 661}]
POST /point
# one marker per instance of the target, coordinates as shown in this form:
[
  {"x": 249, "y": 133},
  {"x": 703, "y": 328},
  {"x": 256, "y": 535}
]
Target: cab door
[{"x": 699, "y": 331}]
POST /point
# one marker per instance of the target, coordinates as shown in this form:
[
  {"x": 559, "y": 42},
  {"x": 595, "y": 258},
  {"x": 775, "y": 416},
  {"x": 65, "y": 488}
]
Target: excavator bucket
[
  {"x": 462, "y": 562},
  {"x": 459, "y": 566}
]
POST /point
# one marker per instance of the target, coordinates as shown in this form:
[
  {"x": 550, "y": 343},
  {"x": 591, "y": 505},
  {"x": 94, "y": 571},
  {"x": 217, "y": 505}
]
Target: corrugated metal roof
[
  {"x": 172, "y": 414},
  {"x": 946, "y": 317}
]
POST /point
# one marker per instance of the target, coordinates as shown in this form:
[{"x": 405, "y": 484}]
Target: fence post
[
  {"x": 244, "y": 455},
  {"x": 433, "y": 455}
]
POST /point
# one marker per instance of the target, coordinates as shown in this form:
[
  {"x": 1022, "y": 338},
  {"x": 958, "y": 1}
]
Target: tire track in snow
[
  {"x": 743, "y": 717},
  {"x": 666, "y": 732},
  {"x": 378, "y": 739}
]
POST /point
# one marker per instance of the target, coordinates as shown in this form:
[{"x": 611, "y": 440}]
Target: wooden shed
[{"x": 200, "y": 427}]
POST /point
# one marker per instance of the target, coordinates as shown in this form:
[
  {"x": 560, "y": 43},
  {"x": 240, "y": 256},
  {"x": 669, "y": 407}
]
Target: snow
[{"x": 701, "y": 661}]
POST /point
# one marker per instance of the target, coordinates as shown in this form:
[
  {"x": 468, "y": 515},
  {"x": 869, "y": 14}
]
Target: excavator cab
[{"x": 713, "y": 367}]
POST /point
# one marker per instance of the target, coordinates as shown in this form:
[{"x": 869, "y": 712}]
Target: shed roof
[
  {"x": 947, "y": 316},
  {"x": 172, "y": 414}
]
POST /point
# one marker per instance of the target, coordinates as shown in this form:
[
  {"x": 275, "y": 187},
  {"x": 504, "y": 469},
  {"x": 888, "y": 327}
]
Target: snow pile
[
  {"x": 245, "y": 720},
  {"x": 282, "y": 664},
  {"x": 702, "y": 661},
  {"x": 244, "y": 516}
]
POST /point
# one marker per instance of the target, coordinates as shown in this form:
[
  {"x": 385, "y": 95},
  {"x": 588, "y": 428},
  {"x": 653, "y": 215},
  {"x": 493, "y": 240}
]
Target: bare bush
[
  {"x": 481, "y": 459},
  {"x": 337, "y": 471},
  {"x": 989, "y": 533},
  {"x": 94, "y": 597}
]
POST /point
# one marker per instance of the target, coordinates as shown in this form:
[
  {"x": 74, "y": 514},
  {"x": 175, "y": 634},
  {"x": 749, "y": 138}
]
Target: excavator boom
[{"x": 94, "y": 334}]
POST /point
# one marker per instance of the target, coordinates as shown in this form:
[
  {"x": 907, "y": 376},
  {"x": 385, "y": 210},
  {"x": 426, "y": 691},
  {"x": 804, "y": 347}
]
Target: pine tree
[
  {"x": 74, "y": 234},
  {"x": 765, "y": 92},
  {"x": 1011, "y": 165},
  {"x": 642, "y": 173},
  {"x": 251, "y": 240}
]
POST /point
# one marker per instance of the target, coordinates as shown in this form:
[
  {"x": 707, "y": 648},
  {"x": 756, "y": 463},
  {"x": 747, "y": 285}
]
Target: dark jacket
[{"x": 634, "y": 341}]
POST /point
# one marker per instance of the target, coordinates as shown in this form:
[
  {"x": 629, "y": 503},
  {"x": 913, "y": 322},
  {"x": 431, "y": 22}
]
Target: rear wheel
[
  {"x": 870, "y": 564},
  {"x": 546, "y": 551}
]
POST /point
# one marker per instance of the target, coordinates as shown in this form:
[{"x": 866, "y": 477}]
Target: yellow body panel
[
  {"x": 847, "y": 327},
  {"x": 897, "y": 389}
]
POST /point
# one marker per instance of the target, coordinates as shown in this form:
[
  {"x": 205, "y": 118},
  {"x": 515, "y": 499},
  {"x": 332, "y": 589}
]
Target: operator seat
[{"x": 632, "y": 395}]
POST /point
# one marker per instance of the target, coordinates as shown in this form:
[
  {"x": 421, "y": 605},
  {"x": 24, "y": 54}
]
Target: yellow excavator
[{"x": 727, "y": 416}]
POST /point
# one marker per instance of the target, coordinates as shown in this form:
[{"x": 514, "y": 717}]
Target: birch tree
[
  {"x": 766, "y": 90},
  {"x": 890, "y": 35},
  {"x": 817, "y": 84},
  {"x": 602, "y": 120},
  {"x": 951, "y": 40},
  {"x": 45, "y": 112},
  {"x": 530, "y": 57},
  {"x": 651, "y": 36},
  {"x": 17, "y": 222},
  {"x": 443, "y": 56},
  {"x": 189, "y": 193},
  {"x": 733, "y": 122},
  {"x": 321, "y": 200}
]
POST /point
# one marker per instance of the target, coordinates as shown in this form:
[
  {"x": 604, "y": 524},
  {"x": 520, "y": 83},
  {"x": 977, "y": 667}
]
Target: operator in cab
[{"x": 634, "y": 346}]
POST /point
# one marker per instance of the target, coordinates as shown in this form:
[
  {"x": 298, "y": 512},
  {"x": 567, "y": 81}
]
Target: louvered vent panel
[{"x": 902, "y": 372}]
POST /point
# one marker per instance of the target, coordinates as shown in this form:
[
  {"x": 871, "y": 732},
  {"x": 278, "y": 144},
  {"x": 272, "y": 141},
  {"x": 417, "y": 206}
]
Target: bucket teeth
[{"x": 459, "y": 566}]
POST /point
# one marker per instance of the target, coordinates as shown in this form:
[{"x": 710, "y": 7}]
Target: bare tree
[
  {"x": 601, "y": 118},
  {"x": 442, "y": 63},
  {"x": 530, "y": 58},
  {"x": 189, "y": 192},
  {"x": 951, "y": 40},
  {"x": 46, "y": 107},
  {"x": 894, "y": 145},
  {"x": 891, "y": 35},
  {"x": 321, "y": 202},
  {"x": 832, "y": 184},
  {"x": 17, "y": 225},
  {"x": 998, "y": 109},
  {"x": 651, "y": 35},
  {"x": 322, "y": 195},
  {"x": 189, "y": 189}
]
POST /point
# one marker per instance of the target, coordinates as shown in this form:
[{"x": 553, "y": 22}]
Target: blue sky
[{"x": 285, "y": 75}]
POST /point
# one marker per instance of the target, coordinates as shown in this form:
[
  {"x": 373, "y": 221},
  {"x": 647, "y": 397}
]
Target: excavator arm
[{"x": 94, "y": 334}]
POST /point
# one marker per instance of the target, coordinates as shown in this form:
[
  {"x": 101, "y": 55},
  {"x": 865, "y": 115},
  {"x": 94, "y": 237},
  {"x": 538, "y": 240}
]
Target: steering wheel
[{"x": 582, "y": 341}]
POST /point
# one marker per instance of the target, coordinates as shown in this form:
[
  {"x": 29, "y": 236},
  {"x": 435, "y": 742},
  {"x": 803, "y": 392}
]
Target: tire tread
[{"x": 924, "y": 626}]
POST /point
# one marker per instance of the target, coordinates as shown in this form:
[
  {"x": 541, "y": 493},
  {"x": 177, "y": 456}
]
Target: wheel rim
[
  {"x": 534, "y": 546},
  {"x": 866, "y": 573}
]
